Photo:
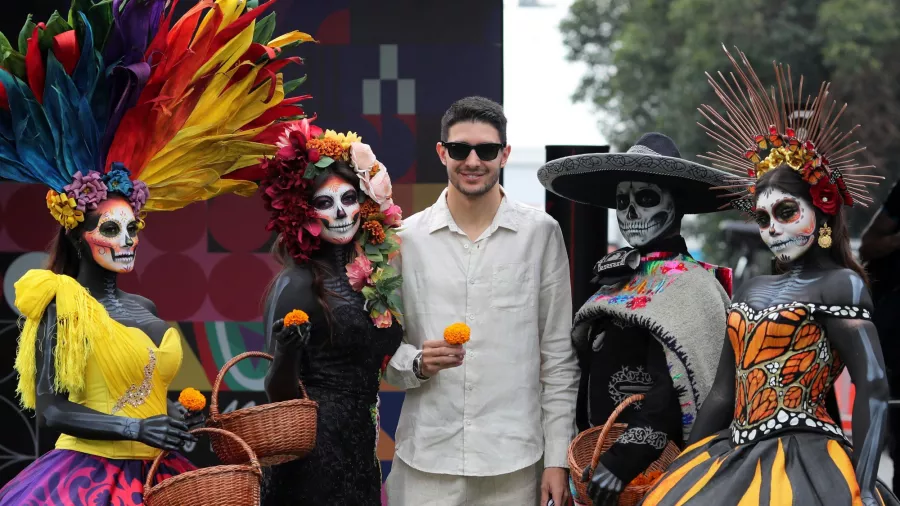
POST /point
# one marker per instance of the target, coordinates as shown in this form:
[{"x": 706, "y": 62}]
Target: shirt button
[
  {"x": 472, "y": 281},
  {"x": 466, "y": 246},
  {"x": 470, "y": 354},
  {"x": 468, "y": 422},
  {"x": 469, "y": 387}
]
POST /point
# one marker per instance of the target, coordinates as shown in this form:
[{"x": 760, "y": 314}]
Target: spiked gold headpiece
[{"x": 764, "y": 130}]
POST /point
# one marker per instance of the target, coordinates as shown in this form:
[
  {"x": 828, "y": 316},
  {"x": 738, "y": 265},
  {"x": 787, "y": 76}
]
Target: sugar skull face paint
[
  {"x": 787, "y": 224},
  {"x": 337, "y": 206},
  {"x": 114, "y": 240},
  {"x": 644, "y": 211}
]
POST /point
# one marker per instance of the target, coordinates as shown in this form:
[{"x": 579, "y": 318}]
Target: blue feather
[
  {"x": 34, "y": 140},
  {"x": 11, "y": 167},
  {"x": 88, "y": 68},
  {"x": 77, "y": 143}
]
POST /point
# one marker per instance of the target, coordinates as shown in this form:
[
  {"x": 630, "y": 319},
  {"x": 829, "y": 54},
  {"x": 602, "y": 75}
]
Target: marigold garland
[
  {"x": 376, "y": 232},
  {"x": 295, "y": 317},
  {"x": 457, "y": 333},
  {"x": 326, "y": 147},
  {"x": 192, "y": 399},
  {"x": 369, "y": 209}
]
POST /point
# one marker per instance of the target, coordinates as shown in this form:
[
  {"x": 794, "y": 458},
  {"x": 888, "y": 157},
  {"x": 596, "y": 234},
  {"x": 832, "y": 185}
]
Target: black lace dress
[{"x": 341, "y": 369}]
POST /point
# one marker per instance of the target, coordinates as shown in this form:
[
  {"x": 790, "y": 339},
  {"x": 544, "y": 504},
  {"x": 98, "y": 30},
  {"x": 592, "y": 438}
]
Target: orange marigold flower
[
  {"x": 369, "y": 209},
  {"x": 326, "y": 147},
  {"x": 645, "y": 479},
  {"x": 457, "y": 333},
  {"x": 295, "y": 317},
  {"x": 192, "y": 399},
  {"x": 376, "y": 232}
]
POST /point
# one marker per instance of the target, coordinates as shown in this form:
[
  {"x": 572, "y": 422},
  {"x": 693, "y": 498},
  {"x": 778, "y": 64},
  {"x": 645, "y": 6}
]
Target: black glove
[
  {"x": 161, "y": 431},
  {"x": 182, "y": 414},
  {"x": 604, "y": 488},
  {"x": 292, "y": 336}
]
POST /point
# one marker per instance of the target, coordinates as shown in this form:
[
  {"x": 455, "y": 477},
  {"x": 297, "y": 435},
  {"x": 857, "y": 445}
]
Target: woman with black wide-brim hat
[{"x": 656, "y": 324}]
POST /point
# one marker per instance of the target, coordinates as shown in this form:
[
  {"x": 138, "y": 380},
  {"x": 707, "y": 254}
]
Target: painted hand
[
  {"x": 605, "y": 487},
  {"x": 291, "y": 337},
  {"x": 163, "y": 432}
]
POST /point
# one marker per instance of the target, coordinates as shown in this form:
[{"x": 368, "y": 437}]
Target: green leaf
[
  {"x": 389, "y": 284},
  {"x": 395, "y": 302},
  {"x": 26, "y": 32},
  {"x": 312, "y": 171},
  {"x": 325, "y": 161},
  {"x": 368, "y": 292},
  {"x": 55, "y": 26},
  {"x": 290, "y": 86},
  {"x": 265, "y": 27},
  {"x": 380, "y": 307},
  {"x": 375, "y": 257},
  {"x": 10, "y": 59},
  {"x": 252, "y": 4}
]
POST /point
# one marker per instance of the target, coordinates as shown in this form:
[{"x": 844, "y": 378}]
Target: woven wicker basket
[
  {"x": 228, "y": 485},
  {"x": 586, "y": 448},
  {"x": 278, "y": 432}
]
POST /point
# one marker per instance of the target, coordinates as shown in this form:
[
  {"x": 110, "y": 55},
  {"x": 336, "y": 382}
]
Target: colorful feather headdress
[
  {"x": 763, "y": 130},
  {"x": 119, "y": 97}
]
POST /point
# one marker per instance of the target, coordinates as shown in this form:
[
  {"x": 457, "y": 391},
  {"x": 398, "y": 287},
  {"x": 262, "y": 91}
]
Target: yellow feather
[
  {"x": 228, "y": 54},
  {"x": 290, "y": 37}
]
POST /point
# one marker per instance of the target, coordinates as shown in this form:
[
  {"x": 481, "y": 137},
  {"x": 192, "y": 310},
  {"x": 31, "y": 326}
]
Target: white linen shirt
[{"x": 512, "y": 400}]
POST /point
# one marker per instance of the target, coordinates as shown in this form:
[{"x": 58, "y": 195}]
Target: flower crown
[
  {"x": 304, "y": 153},
  {"x": 86, "y": 191},
  {"x": 805, "y": 139}
]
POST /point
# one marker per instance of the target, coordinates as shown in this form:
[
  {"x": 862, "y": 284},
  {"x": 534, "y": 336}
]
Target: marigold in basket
[
  {"x": 645, "y": 478},
  {"x": 192, "y": 399},
  {"x": 295, "y": 317},
  {"x": 457, "y": 333}
]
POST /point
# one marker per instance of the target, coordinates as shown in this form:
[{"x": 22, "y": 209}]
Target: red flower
[
  {"x": 825, "y": 196},
  {"x": 313, "y": 155}
]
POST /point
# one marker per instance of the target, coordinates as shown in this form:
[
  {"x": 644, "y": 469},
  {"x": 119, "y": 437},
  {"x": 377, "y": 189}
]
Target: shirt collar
[{"x": 507, "y": 215}]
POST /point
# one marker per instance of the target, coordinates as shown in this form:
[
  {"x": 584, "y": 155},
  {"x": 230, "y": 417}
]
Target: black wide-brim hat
[{"x": 592, "y": 178}]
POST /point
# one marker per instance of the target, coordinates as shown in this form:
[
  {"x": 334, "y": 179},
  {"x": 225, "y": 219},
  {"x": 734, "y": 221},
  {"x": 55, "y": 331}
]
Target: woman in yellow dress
[
  {"x": 123, "y": 112},
  {"x": 763, "y": 435}
]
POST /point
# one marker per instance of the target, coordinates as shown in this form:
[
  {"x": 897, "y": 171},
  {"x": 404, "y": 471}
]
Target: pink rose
[
  {"x": 362, "y": 156},
  {"x": 383, "y": 320},
  {"x": 358, "y": 272},
  {"x": 393, "y": 216},
  {"x": 377, "y": 187}
]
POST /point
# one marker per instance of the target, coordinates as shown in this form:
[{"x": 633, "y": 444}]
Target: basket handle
[
  {"x": 609, "y": 424},
  {"x": 254, "y": 463},
  {"x": 214, "y": 401}
]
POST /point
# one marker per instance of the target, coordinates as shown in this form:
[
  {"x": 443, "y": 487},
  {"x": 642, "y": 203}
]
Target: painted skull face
[
  {"x": 337, "y": 206},
  {"x": 644, "y": 211},
  {"x": 787, "y": 224},
  {"x": 114, "y": 240}
]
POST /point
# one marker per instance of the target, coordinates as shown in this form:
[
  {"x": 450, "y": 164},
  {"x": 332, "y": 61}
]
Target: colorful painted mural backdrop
[{"x": 385, "y": 69}]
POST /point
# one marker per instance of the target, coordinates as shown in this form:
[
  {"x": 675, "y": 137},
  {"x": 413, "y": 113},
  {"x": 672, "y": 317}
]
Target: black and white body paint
[
  {"x": 787, "y": 224},
  {"x": 114, "y": 241},
  {"x": 337, "y": 206},
  {"x": 644, "y": 211}
]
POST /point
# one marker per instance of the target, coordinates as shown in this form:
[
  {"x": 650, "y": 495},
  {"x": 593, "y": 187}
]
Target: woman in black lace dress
[{"x": 337, "y": 226}]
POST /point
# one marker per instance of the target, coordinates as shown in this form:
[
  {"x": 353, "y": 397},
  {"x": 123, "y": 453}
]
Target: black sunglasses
[{"x": 460, "y": 150}]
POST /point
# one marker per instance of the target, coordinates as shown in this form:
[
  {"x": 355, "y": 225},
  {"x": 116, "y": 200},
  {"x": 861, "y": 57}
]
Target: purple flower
[
  {"x": 139, "y": 194},
  {"x": 87, "y": 190}
]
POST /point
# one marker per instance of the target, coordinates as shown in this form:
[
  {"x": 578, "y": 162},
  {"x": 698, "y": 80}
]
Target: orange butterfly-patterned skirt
[{"x": 798, "y": 468}]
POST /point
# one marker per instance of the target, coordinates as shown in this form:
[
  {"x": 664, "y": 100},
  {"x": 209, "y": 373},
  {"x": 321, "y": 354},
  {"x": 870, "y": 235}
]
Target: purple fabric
[
  {"x": 132, "y": 30},
  {"x": 70, "y": 478}
]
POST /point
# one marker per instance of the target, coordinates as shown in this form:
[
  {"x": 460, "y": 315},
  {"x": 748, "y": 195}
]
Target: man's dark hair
[{"x": 474, "y": 109}]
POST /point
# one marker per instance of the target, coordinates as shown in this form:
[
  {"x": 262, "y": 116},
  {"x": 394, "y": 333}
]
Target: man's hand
[
  {"x": 554, "y": 485},
  {"x": 438, "y": 355}
]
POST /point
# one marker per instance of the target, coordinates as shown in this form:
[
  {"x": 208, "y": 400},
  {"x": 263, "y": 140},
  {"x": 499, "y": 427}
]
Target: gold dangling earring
[{"x": 825, "y": 236}]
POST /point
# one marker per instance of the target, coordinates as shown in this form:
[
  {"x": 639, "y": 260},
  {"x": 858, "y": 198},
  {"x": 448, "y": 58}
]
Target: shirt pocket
[{"x": 512, "y": 286}]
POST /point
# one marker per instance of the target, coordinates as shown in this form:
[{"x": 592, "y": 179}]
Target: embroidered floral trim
[
  {"x": 136, "y": 395},
  {"x": 644, "y": 436}
]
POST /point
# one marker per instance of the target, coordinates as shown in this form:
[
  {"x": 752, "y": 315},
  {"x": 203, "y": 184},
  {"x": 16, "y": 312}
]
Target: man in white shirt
[{"x": 488, "y": 423}]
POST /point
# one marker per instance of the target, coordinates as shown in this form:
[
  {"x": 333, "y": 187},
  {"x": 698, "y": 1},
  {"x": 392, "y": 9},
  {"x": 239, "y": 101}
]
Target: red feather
[
  {"x": 66, "y": 50},
  {"x": 4, "y": 98},
  {"x": 285, "y": 109},
  {"x": 232, "y": 30},
  {"x": 34, "y": 65}
]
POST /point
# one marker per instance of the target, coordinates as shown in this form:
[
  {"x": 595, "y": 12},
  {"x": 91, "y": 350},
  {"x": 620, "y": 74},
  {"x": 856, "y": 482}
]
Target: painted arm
[
  {"x": 60, "y": 414},
  {"x": 856, "y": 343},
  {"x": 292, "y": 290},
  {"x": 717, "y": 410}
]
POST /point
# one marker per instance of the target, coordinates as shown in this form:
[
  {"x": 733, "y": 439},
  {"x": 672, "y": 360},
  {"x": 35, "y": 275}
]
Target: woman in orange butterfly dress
[{"x": 763, "y": 435}]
